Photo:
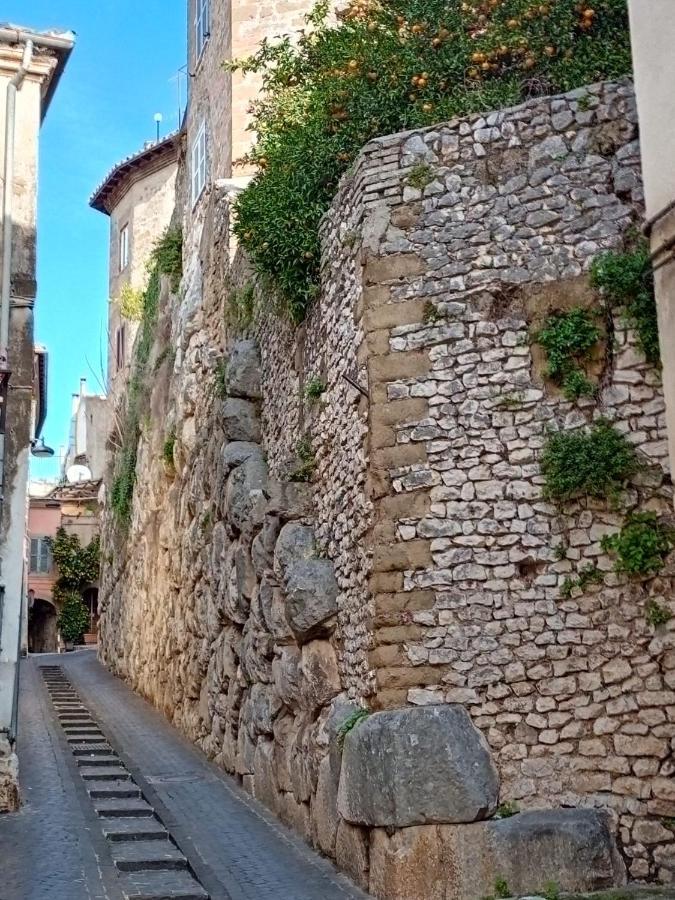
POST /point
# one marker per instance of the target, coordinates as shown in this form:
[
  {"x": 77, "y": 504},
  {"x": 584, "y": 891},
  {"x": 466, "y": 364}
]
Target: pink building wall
[{"x": 43, "y": 521}]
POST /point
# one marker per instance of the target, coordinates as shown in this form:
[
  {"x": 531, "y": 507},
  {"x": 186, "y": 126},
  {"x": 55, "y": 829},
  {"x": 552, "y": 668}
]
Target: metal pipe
[
  {"x": 22, "y": 36},
  {"x": 7, "y": 202}
]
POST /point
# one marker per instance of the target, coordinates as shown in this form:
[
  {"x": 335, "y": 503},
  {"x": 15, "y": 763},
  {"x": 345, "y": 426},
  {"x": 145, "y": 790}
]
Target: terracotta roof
[
  {"x": 81, "y": 490},
  {"x": 154, "y": 155}
]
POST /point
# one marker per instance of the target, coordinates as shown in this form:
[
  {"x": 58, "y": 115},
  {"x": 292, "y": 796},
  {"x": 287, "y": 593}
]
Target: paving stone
[
  {"x": 162, "y": 886},
  {"x": 138, "y": 856}
]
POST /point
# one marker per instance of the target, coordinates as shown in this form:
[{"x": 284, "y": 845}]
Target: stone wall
[{"x": 416, "y": 572}]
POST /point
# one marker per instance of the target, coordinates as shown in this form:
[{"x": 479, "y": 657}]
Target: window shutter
[
  {"x": 44, "y": 556},
  {"x": 33, "y": 555}
]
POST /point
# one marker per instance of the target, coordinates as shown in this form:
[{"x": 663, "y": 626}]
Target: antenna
[{"x": 158, "y": 121}]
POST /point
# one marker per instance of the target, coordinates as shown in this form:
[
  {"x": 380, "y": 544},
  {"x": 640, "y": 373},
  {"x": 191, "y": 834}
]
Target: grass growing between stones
[
  {"x": 315, "y": 388},
  {"x": 656, "y": 614},
  {"x": 306, "y": 461},
  {"x": 351, "y": 722},
  {"x": 382, "y": 68},
  {"x": 595, "y": 463}
]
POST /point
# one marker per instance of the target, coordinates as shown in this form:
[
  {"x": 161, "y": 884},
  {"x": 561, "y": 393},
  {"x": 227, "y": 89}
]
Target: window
[
  {"x": 199, "y": 163},
  {"x": 40, "y": 556},
  {"x": 124, "y": 248},
  {"x": 202, "y": 26},
  {"x": 120, "y": 347}
]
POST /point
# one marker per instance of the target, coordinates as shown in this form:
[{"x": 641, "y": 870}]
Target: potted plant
[{"x": 73, "y": 619}]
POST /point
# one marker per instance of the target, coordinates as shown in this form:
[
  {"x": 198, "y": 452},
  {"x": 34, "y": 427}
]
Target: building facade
[
  {"x": 31, "y": 64},
  {"x": 138, "y": 195},
  {"x": 89, "y": 429}
]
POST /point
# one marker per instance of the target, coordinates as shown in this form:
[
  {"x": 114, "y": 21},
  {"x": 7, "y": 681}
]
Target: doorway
[{"x": 42, "y": 627}]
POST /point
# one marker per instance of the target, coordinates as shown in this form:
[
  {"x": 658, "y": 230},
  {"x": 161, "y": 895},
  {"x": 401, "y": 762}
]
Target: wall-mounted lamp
[{"x": 40, "y": 449}]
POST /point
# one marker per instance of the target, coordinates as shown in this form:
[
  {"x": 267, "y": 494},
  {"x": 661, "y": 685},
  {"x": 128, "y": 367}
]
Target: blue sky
[{"x": 120, "y": 74}]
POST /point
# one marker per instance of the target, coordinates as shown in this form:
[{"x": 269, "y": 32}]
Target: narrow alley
[{"x": 67, "y": 844}]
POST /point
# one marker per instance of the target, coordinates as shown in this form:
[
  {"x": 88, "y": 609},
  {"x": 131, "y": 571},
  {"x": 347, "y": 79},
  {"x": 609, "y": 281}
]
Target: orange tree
[{"x": 389, "y": 65}]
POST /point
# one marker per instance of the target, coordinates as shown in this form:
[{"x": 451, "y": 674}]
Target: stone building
[
  {"x": 31, "y": 64},
  {"x": 331, "y": 636},
  {"x": 138, "y": 195}
]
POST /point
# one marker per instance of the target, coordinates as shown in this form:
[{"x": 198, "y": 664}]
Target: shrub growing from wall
[{"x": 388, "y": 67}]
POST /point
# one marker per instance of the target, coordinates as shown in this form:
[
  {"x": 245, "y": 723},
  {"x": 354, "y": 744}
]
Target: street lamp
[{"x": 40, "y": 449}]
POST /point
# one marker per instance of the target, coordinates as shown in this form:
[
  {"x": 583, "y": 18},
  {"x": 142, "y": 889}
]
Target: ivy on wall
[
  {"x": 166, "y": 259},
  {"x": 385, "y": 67}
]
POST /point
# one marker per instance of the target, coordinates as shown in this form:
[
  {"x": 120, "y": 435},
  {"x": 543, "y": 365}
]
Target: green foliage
[
  {"x": 589, "y": 574},
  {"x": 352, "y": 720},
  {"x": 627, "y": 279},
  {"x": 593, "y": 463},
  {"x": 167, "y": 450},
  {"x": 241, "y": 308},
  {"x": 167, "y": 353},
  {"x": 641, "y": 546},
  {"x": 431, "y": 314},
  {"x": 131, "y": 303},
  {"x": 73, "y": 620},
  {"x": 501, "y": 888},
  {"x": 567, "y": 339},
  {"x": 420, "y": 176},
  {"x": 306, "y": 461},
  {"x": 551, "y": 891},
  {"x": 77, "y": 566},
  {"x": 167, "y": 256},
  {"x": 122, "y": 492},
  {"x": 669, "y": 822},
  {"x": 221, "y": 379},
  {"x": 507, "y": 809},
  {"x": 560, "y": 551},
  {"x": 656, "y": 614},
  {"x": 385, "y": 67},
  {"x": 314, "y": 388}
]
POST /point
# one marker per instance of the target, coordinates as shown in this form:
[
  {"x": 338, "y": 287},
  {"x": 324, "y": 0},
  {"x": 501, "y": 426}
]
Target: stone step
[
  {"x": 85, "y": 738},
  {"x": 123, "y": 808},
  {"x": 75, "y": 718},
  {"x": 99, "y": 748},
  {"x": 97, "y": 760},
  {"x": 162, "y": 886},
  {"x": 75, "y": 730},
  {"x": 143, "y": 856},
  {"x": 106, "y": 789},
  {"x": 105, "y": 773},
  {"x": 136, "y": 828}
]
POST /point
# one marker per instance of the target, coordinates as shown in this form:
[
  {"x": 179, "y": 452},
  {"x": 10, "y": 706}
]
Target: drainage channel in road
[{"x": 150, "y": 863}]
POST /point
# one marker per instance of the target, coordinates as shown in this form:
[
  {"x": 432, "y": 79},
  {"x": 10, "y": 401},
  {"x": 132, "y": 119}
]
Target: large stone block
[
  {"x": 241, "y": 421},
  {"x": 417, "y": 766},
  {"x": 242, "y": 376},
  {"x": 572, "y": 848},
  {"x": 244, "y": 492},
  {"x": 295, "y": 543},
  {"x": 311, "y": 598}
]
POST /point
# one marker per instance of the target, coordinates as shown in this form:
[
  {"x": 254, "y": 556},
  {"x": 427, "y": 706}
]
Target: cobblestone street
[{"x": 56, "y": 848}]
